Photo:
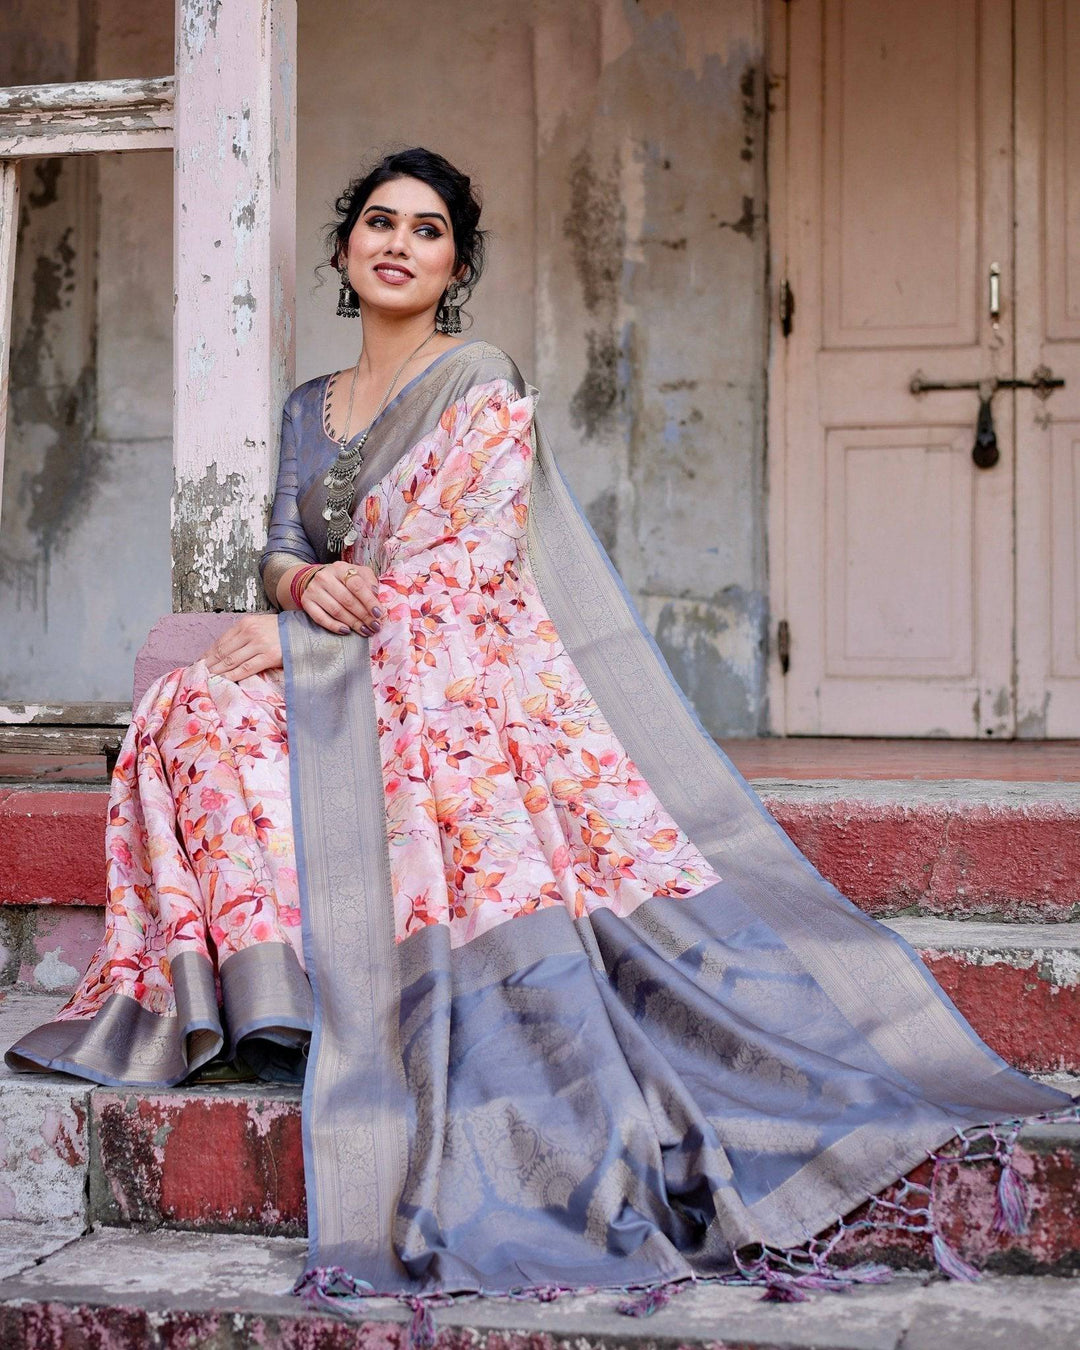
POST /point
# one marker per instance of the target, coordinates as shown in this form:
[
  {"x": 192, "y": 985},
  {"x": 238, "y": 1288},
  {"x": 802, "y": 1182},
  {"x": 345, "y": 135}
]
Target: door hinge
[
  {"x": 783, "y": 645},
  {"x": 787, "y": 307}
]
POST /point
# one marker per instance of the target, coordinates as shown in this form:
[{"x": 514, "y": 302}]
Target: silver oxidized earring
[
  {"x": 348, "y": 305},
  {"x": 448, "y": 315}
]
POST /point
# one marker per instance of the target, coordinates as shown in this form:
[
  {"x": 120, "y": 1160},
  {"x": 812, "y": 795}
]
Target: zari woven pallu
[{"x": 576, "y": 1013}]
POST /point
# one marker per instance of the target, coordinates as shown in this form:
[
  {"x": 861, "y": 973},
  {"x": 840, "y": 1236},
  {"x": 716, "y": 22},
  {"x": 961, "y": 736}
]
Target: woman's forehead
[{"x": 405, "y": 196}]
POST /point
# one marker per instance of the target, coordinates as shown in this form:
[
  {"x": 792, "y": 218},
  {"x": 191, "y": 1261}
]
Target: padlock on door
[{"x": 985, "y": 451}]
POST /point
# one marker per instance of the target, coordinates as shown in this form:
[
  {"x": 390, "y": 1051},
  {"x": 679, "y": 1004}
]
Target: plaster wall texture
[
  {"x": 620, "y": 148},
  {"x": 84, "y": 539}
]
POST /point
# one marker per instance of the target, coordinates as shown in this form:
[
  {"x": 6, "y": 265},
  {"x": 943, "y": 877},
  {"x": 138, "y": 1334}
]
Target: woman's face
[{"x": 401, "y": 249}]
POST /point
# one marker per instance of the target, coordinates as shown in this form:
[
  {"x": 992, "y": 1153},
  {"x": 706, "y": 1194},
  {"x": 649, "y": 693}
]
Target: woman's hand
[
  {"x": 249, "y": 647},
  {"x": 343, "y": 596}
]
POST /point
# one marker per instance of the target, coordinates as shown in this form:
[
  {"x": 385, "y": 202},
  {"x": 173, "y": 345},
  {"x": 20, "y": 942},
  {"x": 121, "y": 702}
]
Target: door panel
[
  {"x": 898, "y": 565},
  {"x": 1048, "y": 333},
  {"x": 903, "y": 498},
  {"x": 894, "y": 276}
]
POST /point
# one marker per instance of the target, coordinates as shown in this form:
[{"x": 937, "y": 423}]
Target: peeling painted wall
[
  {"x": 620, "y": 148},
  {"x": 84, "y": 550},
  {"x": 652, "y": 334}
]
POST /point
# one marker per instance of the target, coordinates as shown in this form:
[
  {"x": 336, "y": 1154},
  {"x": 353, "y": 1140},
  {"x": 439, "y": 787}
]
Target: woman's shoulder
[
  {"x": 306, "y": 395},
  {"x": 481, "y": 361}
]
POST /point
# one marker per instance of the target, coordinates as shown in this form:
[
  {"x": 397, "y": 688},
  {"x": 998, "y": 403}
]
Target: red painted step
[
  {"x": 967, "y": 849},
  {"x": 52, "y": 846},
  {"x": 959, "y": 849}
]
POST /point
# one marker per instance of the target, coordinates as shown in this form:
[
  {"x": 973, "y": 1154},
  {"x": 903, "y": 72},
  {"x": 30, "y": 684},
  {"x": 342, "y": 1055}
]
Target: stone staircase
[{"x": 981, "y": 876}]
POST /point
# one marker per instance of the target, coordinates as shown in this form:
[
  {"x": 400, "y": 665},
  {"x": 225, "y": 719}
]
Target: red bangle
[{"x": 299, "y": 580}]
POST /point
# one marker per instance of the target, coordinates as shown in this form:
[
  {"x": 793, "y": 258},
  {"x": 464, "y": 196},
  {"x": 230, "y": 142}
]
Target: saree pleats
[{"x": 200, "y": 956}]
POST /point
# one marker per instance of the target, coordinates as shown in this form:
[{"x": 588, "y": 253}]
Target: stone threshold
[{"x": 142, "y": 1291}]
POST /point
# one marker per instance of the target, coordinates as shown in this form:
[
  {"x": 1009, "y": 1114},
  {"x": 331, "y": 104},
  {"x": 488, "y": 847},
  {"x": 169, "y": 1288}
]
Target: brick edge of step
[
  {"x": 967, "y": 848},
  {"x": 1018, "y": 984},
  {"x": 52, "y": 849},
  {"x": 964, "y": 848}
]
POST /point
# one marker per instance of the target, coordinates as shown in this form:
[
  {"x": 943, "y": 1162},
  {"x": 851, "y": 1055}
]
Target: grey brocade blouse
[{"x": 297, "y": 528}]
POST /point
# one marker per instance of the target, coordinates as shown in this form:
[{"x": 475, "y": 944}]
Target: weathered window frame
[{"x": 229, "y": 115}]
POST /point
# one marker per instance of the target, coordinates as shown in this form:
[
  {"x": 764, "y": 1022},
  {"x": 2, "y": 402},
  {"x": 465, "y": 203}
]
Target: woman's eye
[{"x": 426, "y": 231}]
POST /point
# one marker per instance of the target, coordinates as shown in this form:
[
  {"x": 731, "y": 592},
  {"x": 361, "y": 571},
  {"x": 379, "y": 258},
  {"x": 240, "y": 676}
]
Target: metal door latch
[{"x": 985, "y": 451}]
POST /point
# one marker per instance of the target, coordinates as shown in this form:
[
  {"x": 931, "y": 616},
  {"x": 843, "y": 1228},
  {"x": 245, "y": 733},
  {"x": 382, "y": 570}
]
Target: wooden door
[
  {"x": 1048, "y": 334},
  {"x": 891, "y": 552}
]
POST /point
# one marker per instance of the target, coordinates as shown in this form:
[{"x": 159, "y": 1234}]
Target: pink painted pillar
[{"x": 235, "y": 278}]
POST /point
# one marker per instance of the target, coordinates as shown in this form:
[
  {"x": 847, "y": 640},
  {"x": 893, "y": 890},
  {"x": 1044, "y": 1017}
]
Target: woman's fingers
[
  {"x": 336, "y": 600},
  {"x": 330, "y": 604},
  {"x": 358, "y": 585},
  {"x": 366, "y": 591},
  {"x": 253, "y": 665},
  {"x": 341, "y": 602},
  {"x": 228, "y": 661},
  {"x": 325, "y": 619},
  {"x": 352, "y": 600},
  {"x": 230, "y": 642},
  {"x": 250, "y": 645},
  {"x": 322, "y": 617}
]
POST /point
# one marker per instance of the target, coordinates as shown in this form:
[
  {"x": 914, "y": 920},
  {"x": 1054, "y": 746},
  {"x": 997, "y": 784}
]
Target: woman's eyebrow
[{"x": 417, "y": 215}]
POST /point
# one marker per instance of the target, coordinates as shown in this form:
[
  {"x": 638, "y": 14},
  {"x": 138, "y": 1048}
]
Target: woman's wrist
[
  {"x": 299, "y": 582},
  {"x": 292, "y": 584}
]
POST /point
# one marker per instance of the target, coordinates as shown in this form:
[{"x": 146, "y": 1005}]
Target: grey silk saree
[
  {"x": 576, "y": 1012},
  {"x": 597, "y": 1099}
]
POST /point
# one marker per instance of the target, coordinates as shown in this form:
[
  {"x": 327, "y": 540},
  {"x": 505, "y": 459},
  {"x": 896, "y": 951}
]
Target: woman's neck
[{"x": 388, "y": 341}]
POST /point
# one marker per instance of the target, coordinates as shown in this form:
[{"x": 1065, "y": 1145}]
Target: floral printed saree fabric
[{"x": 571, "y": 1010}]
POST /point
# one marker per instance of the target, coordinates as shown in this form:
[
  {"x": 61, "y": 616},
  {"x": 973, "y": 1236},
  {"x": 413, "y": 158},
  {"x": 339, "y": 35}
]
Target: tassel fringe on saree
[{"x": 575, "y": 1012}]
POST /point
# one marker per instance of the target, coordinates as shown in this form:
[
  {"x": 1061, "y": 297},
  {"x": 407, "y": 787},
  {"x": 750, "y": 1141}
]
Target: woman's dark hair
[{"x": 454, "y": 187}]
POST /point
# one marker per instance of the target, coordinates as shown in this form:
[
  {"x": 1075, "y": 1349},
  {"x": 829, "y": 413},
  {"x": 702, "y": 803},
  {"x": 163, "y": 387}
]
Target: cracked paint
[
  {"x": 150, "y": 1163},
  {"x": 199, "y": 20},
  {"x": 214, "y": 528}
]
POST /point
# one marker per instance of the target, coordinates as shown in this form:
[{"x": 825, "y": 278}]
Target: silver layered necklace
[{"x": 340, "y": 530}]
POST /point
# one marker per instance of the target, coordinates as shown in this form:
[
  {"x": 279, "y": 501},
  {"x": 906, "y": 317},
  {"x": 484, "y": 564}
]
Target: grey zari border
[
  {"x": 265, "y": 994},
  {"x": 353, "y": 1108},
  {"x": 873, "y": 976}
]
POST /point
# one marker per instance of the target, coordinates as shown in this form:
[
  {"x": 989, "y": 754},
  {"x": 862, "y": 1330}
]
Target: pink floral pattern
[
  {"x": 199, "y": 843},
  {"x": 506, "y": 791}
]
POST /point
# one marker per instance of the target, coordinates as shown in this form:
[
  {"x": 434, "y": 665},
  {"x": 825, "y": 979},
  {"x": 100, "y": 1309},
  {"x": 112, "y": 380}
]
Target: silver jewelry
[
  {"x": 448, "y": 315},
  {"x": 348, "y": 305},
  {"x": 340, "y": 530}
]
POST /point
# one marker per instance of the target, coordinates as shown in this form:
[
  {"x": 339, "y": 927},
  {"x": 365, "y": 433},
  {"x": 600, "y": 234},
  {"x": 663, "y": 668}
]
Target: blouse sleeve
[{"x": 286, "y": 543}]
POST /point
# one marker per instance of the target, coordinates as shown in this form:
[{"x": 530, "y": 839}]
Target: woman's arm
[{"x": 338, "y": 596}]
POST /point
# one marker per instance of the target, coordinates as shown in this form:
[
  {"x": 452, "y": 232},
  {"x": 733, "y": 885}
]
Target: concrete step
[
  {"x": 80, "y": 1154},
  {"x": 1002, "y": 852},
  {"x": 147, "y": 1291}
]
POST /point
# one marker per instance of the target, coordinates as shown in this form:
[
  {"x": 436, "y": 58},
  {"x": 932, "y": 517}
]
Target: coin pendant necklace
[{"x": 340, "y": 529}]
